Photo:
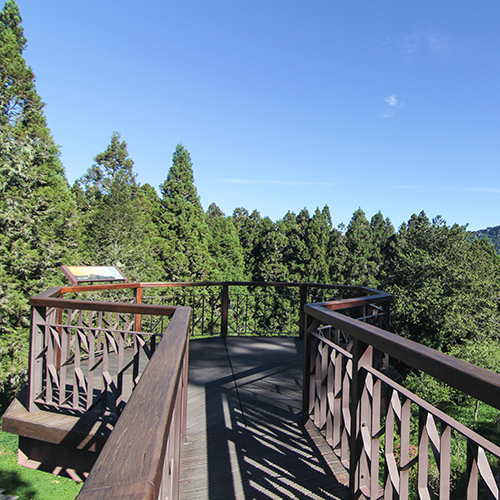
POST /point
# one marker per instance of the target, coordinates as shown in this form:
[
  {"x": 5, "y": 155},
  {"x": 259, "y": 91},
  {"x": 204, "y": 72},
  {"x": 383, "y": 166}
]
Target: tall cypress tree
[
  {"x": 358, "y": 240},
  {"x": 225, "y": 246},
  {"x": 297, "y": 254},
  {"x": 182, "y": 224},
  {"x": 318, "y": 238},
  {"x": 248, "y": 232},
  {"x": 116, "y": 214},
  {"x": 36, "y": 206}
]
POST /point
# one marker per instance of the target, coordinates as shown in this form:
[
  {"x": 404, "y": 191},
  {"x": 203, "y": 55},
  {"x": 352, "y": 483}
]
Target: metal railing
[{"x": 394, "y": 444}]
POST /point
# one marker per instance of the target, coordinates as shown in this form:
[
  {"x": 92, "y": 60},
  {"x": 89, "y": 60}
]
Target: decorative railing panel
[
  {"x": 394, "y": 444},
  {"x": 141, "y": 457},
  {"x": 87, "y": 355}
]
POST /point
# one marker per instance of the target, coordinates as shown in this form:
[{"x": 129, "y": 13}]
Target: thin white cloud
[
  {"x": 474, "y": 189},
  {"x": 392, "y": 105},
  {"x": 391, "y": 100},
  {"x": 406, "y": 186},
  {"x": 276, "y": 183},
  {"x": 424, "y": 41},
  {"x": 485, "y": 190}
]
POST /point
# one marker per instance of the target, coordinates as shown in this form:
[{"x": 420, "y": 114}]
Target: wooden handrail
[
  {"x": 340, "y": 304},
  {"x": 131, "y": 463},
  {"x": 118, "y": 286},
  {"x": 89, "y": 305},
  {"x": 468, "y": 378}
]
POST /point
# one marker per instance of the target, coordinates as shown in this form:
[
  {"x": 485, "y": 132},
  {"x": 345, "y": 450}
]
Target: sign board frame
[{"x": 92, "y": 274}]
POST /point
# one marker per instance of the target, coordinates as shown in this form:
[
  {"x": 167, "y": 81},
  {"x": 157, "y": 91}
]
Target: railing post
[
  {"x": 225, "y": 310},
  {"x": 310, "y": 324},
  {"x": 358, "y": 474},
  {"x": 302, "y": 314},
  {"x": 138, "y": 300},
  {"x": 307, "y": 371},
  {"x": 38, "y": 318},
  {"x": 386, "y": 307}
]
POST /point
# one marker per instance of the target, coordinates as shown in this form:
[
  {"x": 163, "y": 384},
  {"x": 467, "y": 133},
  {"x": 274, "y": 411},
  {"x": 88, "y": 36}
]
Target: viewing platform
[{"x": 227, "y": 390}]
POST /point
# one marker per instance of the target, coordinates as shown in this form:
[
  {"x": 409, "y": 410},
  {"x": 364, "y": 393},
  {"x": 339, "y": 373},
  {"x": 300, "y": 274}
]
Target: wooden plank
[
  {"x": 90, "y": 305},
  {"x": 244, "y": 438}
]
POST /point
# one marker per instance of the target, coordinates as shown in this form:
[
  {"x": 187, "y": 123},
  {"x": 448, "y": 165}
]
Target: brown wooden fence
[{"x": 394, "y": 444}]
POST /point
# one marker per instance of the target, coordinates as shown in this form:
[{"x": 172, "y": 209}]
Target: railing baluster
[
  {"x": 472, "y": 471},
  {"x": 404, "y": 448},
  {"x": 36, "y": 366},
  {"x": 225, "y": 310},
  {"x": 64, "y": 357}
]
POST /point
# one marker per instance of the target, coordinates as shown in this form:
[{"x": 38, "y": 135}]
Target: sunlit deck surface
[{"x": 244, "y": 436}]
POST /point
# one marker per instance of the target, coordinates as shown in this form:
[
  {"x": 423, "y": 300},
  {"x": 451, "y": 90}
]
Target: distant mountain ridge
[{"x": 492, "y": 234}]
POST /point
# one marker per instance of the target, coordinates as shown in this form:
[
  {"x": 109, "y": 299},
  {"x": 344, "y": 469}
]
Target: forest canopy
[{"x": 445, "y": 283}]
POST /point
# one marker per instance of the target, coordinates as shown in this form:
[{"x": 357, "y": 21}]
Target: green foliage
[
  {"x": 269, "y": 252},
  {"x": 297, "y": 253},
  {"x": 248, "y": 233},
  {"x": 37, "y": 212},
  {"x": 318, "y": 239},
  {"x": 492, "y": 234},
  {"x": 116, "y": 214},
  {"x": 445, "y": 288},
  {"x": 224, "y": 246},
  {"x": 360, "y": 268},
  {"x": 182, "y": 224}
]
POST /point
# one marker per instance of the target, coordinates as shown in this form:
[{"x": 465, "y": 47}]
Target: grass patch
[{"x": 29, "y": 484}]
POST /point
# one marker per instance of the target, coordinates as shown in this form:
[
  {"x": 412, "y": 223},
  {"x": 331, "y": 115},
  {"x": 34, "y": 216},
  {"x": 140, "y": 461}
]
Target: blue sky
[{"x": 384, "y": 105}]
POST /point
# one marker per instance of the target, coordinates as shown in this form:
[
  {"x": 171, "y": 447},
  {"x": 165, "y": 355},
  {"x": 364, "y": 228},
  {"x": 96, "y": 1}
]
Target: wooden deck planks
[{"x": 246, "y": 441}]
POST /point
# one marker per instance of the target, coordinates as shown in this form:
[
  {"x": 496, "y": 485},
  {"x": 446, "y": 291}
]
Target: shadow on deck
[{"x": 244, "y": 436}]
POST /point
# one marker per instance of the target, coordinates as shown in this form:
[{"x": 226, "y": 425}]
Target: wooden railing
[
  {"x": 390, "y": 440},
  {"x": 394, "y": 444},
  {"x": 223, "y": 308},
  {"x": 141, "y": 457},
  {"x": 72, "y": 342},
  {"x": 88, "y": 355},
  {"x": 84, "y": 355}
]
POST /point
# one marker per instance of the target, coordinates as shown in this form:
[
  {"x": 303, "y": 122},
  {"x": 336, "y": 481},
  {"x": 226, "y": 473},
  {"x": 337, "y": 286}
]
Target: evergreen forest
[{"x": 445, "y": 282}]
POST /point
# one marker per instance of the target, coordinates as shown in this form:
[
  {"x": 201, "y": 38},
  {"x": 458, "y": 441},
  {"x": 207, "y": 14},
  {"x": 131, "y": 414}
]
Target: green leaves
[
  {"x": 37, "y": 212},
  {"x": 445, "y": 288},
  {"x": 182, "y": 225}
]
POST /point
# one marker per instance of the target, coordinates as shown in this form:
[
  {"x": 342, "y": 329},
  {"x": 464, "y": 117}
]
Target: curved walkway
[{"x": 244, "y": 437}]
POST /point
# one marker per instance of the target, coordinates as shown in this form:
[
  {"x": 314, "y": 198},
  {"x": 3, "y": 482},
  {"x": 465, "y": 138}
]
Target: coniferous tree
[
  {"x": 445, "y": 288},
  {"x": 269, "y": 252},
  {"x": 381, "y": 232},
  {"x": 37, "y": 228},
  {"x": 337, "y": 256},
  {"x": 116, "y": 214},
  {"x": 182, "y": 224},
  {"x": 297, "y": 253},
  {"x": 248, "y": 232},
  {"x": 358, "y": 240},
  {"x": 318, "y": 239},
  {"x": 224, "y": 246}
]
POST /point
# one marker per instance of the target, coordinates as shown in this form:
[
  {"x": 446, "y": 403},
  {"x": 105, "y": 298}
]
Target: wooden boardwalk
[{"x": 244, "y": 438}]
